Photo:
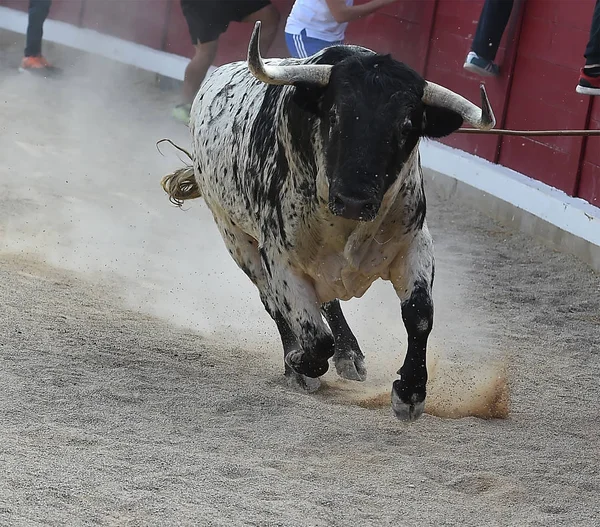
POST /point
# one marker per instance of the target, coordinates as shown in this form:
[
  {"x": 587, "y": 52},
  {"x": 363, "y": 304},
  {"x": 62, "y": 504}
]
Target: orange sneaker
[{"x": 34, "y": 63}]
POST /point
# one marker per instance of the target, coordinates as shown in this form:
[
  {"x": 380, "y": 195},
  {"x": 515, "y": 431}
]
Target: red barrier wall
[
  {"x": 543, "y": 95},
  {"x": 589, "y": 182},
  {"x": 540, "y": 56}
]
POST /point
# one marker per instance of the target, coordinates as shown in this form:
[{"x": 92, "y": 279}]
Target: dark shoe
[
  {"x": 588, "y": 85},
  {"x": 475, "y": 64}
]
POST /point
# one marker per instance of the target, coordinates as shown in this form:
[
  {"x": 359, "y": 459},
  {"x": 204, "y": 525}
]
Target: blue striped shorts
[{"x": 303, "y": 46}]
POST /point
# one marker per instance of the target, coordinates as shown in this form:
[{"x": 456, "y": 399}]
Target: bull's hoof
[
  {"x": 407, "y": 406},
  {"x": 352, "y": 369},
  {"x": 302, "y": 383},
  {"x": 306, "y": 364}
]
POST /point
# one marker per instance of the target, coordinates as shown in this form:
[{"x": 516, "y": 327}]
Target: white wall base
[
  {"x": 572, "y": 215},
  {"x": 143, "y": 57}
]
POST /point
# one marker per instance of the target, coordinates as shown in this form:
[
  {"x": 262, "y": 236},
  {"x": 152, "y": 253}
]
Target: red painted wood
[
  {"x": 21, "y": 5},
  {"x": 453, "y": 30},
  {"x": 401, "y": 28},
  {"x": 543, "y": 94},
  {"x": 140, "y": 21},
  {"x": 544, "y": 40},
  {"x": 380, "y": 32},
  {"x": 567, "y": 13},
  {"x": 429, "y": 9},
  {"x": 589, "y": 183},
  {"x": 592, "y": 151},
  {"x": 550, "y": 166},
  {"x": 63, "y": 10},
  {"x": 410, "y": 10},
  {"x": 178, "y": 40}
]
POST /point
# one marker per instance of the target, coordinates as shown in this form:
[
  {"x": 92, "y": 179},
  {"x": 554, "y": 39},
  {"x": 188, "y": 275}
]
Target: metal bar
[{"x": 499, "y": 131}]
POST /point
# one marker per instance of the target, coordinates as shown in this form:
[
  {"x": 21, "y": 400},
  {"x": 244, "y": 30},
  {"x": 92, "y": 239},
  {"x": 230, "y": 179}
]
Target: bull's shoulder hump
[{"x": 334, "y": 54}]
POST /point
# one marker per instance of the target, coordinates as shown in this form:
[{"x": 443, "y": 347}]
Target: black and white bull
[{"x": 311, "y": 169}]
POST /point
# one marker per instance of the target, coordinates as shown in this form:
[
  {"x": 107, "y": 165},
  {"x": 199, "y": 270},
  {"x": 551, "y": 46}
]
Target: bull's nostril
[
  {"x": 369, "y": 208},
  {"x": 338, "y": 204}
]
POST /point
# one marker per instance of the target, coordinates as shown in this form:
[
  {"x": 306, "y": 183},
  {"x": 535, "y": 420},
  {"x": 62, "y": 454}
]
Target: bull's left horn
[
  {"x": 311, "y": 73},
  {"x": 481, "y": 118}
]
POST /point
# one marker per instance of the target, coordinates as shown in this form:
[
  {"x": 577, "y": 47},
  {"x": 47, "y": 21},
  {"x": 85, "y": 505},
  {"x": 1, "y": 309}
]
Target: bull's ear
[
  {"x": 440, "y": 122},
  {"x": 308, "y": 97}
]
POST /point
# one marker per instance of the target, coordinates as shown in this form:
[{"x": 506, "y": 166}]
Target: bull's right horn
[
  {"x": 483, "y": 119},
  {"x": 281, "y": 75}
]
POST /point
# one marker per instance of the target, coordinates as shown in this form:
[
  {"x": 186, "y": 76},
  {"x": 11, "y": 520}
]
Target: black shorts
[{"x": 207, "y": 19}]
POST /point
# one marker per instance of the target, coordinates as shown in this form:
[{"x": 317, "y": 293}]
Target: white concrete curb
[
  {"x": 572, "y": 215},
  {"x": 143, "y": 57}
]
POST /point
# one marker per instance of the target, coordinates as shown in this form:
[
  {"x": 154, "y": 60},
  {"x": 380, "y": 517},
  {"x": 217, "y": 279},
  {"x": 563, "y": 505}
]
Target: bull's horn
[
  {"x": 483, "y": 118},
  {"x": 311, "y": 73}
]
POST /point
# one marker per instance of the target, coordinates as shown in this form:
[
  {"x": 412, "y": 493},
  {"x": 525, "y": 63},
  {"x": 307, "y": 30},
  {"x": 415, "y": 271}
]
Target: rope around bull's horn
[{"x": 499, "y": 131}]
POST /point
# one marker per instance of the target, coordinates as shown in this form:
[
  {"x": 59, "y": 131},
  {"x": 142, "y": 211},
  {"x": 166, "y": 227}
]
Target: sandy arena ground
[{"x": 141, "y": 380}]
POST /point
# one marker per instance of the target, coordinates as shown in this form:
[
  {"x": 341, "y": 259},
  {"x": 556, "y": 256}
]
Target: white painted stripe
[
  {"x": 295, "y": 40},
  {"x": 299, "y": 46},
  {"x": 573, "y": 215},
  {"x": 143, "y": 57},
  {"x": 302, "y": 46}
]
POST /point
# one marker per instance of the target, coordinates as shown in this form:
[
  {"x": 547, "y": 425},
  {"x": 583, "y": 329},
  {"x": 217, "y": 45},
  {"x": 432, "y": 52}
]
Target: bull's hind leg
[
  {"x": 348, "y": 358},
  {"x": 412, "y": 276},
  {"x": 244, "y": 250}
]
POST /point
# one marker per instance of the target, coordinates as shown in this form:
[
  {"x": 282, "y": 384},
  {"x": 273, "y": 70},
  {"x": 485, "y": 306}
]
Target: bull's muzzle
[{"x": 359, "y": 209}]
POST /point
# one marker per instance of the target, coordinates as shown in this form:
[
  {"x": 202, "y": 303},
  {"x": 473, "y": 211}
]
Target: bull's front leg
[
  {"x": 412, "y": 276},
  {"x": 295, "y": 299},
  {"x": 348, "y": 358}
]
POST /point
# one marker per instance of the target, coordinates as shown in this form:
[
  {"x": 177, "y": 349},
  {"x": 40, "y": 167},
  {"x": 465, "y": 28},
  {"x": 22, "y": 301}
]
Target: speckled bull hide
[{"x": 311, "y": 169}]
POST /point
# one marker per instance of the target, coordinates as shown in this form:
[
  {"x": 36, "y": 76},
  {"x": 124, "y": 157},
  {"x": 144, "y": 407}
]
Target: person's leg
[
  {"x": 490, "y": 28},
  {"x": 196, "y": 70},
  {"x": 38, "y": 12},
  {"x": 592, "y": 50},
  {"x": 194, "y": 76},
  {"x": 492, "y": 24},
  {"x": 589, "y": 80},
  {"x": 266, "y": 12},
  {"x": 205, "y": 22}
]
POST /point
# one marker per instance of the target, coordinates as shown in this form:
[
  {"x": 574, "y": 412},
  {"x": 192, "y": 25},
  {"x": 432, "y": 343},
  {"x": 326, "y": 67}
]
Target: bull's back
[
  {"x": 233, "y": 142},
  {"x": 221, "y": 115}
]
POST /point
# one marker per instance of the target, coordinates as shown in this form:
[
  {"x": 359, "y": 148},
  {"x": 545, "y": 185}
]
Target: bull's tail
[{"x": 181, "y": 185}]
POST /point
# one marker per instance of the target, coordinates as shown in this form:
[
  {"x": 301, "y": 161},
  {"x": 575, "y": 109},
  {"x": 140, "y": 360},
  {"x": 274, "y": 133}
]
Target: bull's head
[{"x": 372, "y": 110}]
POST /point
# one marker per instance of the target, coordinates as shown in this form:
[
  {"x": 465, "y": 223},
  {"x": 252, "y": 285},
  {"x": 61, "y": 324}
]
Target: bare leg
[
  {"x": 348, "y": 358},
  {"x": 269, "y": 17},
  {"x": 197, "y": 68},
  {"x": 412, "y": 277}
]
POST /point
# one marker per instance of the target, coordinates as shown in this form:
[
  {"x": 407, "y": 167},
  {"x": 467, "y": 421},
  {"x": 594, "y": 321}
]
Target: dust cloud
[
  {"x": 141, "y": 378},
  {"x": 468, "y": 375},
  {"x": 170, "y": 263}
]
